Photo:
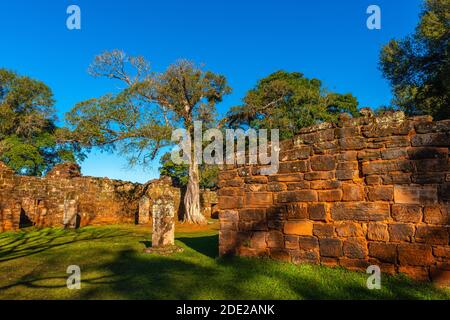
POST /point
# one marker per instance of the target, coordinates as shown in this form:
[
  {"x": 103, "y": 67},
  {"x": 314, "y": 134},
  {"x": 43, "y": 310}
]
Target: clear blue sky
[{"x": 244, "y": 40}]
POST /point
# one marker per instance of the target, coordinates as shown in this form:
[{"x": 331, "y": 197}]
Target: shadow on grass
[
  {"x": 207, "y": 245},
  {"x": 196, "y": 274},
  {"x": 27, "y": 243}
]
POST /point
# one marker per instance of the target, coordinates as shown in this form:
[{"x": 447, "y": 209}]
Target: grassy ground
[{"x": 33, "y": 265}]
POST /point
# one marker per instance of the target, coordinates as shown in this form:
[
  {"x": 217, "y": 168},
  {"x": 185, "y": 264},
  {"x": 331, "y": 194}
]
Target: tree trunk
[{"x": 193, "y": 213}]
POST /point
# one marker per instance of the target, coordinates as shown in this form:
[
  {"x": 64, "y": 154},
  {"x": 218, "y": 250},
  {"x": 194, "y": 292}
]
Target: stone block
[
  {"x": 360, "y": 211},
  {"x": 415, "y": 254},
  {"x": 385, "y": 252},
  {"x": 377, "y": 232},
  {"x": 415, "y": 194},
  {"x": 330, "y": 195},
  {"x": 330, "y": 247},
  {"x": 300, "y": 228},
  {"x": 399, "y": 232},
  {"x": 432, "y": 235},
  {"x": 317, "y": 211},
  {"x": 355, "y": 248},
  {"x": 353, "y": 192},
  {"x": 258, "y": 199},
  {"x": 323, "y": 163},
  {"x": 323, "y": 230},
  {"x": 408, "y": 213}
]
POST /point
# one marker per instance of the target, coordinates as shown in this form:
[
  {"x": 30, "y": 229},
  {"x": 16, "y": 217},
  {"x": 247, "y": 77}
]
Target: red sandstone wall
[
  {"x": 100, "y": 201},
  {"x": 360, "y": 192}
]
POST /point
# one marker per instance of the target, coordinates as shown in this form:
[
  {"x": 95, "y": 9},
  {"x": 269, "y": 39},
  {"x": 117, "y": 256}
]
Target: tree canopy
[
  {"x": 418, "y": 66},
  {"x": 138, "y": 120},
  {"x": 28, "y": 135},
  {"x": 289, "y": 101}
]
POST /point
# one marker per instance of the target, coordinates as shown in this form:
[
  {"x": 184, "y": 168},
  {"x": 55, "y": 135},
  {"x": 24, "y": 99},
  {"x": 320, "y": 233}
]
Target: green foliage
[
  {"x": 28, "y": 136},
  {"x": 418, "y": 66},
  {"x": 289, "y": 101},
  {"x": 180, "y": 173},
  {"x": 138, "y": 120}
]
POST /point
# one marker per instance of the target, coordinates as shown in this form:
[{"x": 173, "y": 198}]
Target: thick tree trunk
[{"x": 193, "y": 213}]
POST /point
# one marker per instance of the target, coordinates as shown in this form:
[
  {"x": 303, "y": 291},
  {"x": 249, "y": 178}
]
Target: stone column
[{"x": 163, "y": 222}]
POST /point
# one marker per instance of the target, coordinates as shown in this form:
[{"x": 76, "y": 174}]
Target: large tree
[
  {"x": 179, "y": 173},
  {"x": 289, "y": 101},
  {"x": 418, "y": 66},
  {"x": 28, "y": 134},
  {"x": 139, "y": 119}
]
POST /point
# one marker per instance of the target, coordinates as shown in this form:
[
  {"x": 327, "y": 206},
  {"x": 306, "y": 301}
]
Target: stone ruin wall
[
  {"x": 359, "y": 192},
  {"x": 53, "y": 199}
]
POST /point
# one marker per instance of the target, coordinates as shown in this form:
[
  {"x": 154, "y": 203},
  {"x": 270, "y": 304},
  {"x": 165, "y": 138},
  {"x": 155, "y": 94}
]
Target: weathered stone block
[
  {"x": 293, "y": 166},
  {"x": 355, "y": 248},
  {"x": 401, "y": 232},
  {"x": 297, "y": 196},
  {"x": 323, "y": 163},
  {"x": 394, "y": 153},
  {"x": 300, "y": 256},
  {"x": 308, "y": 243},
  {"x": 252, "y": 214},
  {"x": 354, "y": 264},
  {"x": 360, "y": 211},
  {"x": 319, "y": 175},
  {"x": 440, "y": 139},
  {"x": 300, "y": 228},
  {"x": 317, "y": 211},
  {"x": 409, "y": 213},
  {"x": 386, "y": 252},
  {"x": 416, "y": 273},
  {"x": 258, "y": 240},
  {"x": 436, "y": 215},
  {"x": 325, "y": 184},
  {"x": 330, "y": 195},
  {"x": 275, "y": 239},
  {"x": 380, "y": 193},
  {"x": 330, "y": 247},
  {"x": 432, "y": 235},
  {"x": 258, "y": 199},
  {"x": 356, "y": 143},
  {"x": 291, "y": 242},
  {"x": 415, "y": 254},
  {"x": 323, "y": 230},
  {"x": 377, "y": 232},
  {"x": 280, "y": 254},
  {"x": 353, "y": 192},
  {"x": 296, "y": 211},
  {"x": 415, "y": 194},
  {"x": 350, "y": 229},
  {"x": 442, "y": 251},
  {"x": 226, "y": 202}
]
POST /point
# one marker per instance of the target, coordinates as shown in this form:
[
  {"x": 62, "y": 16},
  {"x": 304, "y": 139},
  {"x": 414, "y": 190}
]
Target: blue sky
[{"x": 244, "y": 40}]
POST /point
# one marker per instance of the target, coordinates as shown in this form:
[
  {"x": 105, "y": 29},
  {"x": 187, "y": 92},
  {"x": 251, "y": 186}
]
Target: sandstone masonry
[
  {"x": 65, "y": 198},
  {"x": 368, "y": 190}
]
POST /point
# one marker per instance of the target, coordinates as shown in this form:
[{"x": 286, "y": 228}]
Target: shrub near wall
[{"x": 359, "y": 192}]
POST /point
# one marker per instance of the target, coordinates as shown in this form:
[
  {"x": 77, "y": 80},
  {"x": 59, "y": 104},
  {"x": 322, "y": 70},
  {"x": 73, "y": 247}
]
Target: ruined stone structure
[
  {"x": 65, "y": 198},
  {"x": 359, "y": 192}
]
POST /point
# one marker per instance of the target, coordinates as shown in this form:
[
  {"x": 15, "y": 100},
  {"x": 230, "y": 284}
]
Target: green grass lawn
[{"x": 33, "y": 265}]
